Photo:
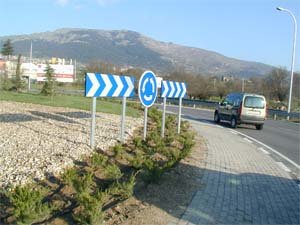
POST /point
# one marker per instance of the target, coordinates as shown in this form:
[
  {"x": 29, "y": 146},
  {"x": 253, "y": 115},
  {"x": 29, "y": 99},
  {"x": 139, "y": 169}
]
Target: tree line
[{"x": 274, "y": 85}]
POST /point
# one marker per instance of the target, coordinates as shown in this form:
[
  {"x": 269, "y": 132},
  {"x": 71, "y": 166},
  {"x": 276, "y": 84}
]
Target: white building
[
  {"x": 29, "y": 70},
  {"x": 62, "y": 73}
]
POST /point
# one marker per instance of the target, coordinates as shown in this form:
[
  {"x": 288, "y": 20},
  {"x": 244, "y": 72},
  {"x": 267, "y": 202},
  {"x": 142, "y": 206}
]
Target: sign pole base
[
  {"x": 145, "y": 123},
  {"x": 179, "y": 115},
  {"x": 163, "y": 118},
  {"x": 123, "y": 119},
  {"x": 93, "y": 123}
]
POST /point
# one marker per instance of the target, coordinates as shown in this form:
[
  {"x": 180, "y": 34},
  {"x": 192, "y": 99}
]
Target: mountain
[{"x": 122, "y": 47}]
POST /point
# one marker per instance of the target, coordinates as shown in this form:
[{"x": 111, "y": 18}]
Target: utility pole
[
  {"x": 243, "y": 85},
  {"x": 30, "y": 66},
  {"x": 75, "y": 70},
  {"x": 293, "y": 56}
]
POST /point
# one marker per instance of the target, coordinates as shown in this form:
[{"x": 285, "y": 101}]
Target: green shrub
[
  {"x": 118, "y": 150},
  {"x": 134, "y": 105},
  {"x": 137, "y": 161},
  {"x": 83, "y": 183},
  {"x": 158, "y": 143},
  {"x": 172, "y": 154},
  {"x": 170, "y": 137},
  {"x": 98, "y": 160},
  {"x": 6, "y": 83},
  {"x": 155, "y": 114},
  {"x": 69, "y": 176},
  {"x": 89, "y": 210},
  {"x": 123, "y": 190},
  {"x": 188, "y": 142},
  {"x": 153, "y": 171},
  {"x": 170, "y": 122},
  {"x": 138, "y": 142},
  {"x": 112, "y": 171},
  {"x": 27, "y": 204}
]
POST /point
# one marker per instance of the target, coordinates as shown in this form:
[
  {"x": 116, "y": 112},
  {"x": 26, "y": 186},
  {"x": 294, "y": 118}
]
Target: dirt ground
[{"x": 165, "y": 202}]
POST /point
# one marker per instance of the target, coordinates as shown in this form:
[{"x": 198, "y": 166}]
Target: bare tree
[{"x": 275, "y": 85}]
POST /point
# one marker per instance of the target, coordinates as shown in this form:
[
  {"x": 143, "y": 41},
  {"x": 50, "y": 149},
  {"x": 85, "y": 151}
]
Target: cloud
[
  {"x": 78, "y": 7},
  {"x": 106, "y": 2},
  {"x": 79, "y": 4},
  {"x": 62, "y": 2}
]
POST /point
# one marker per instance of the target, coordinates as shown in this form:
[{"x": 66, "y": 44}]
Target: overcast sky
[{"x": 245, "y": 29}]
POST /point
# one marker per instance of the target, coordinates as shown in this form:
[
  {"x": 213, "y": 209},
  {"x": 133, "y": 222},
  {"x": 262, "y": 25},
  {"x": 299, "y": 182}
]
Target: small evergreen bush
[
  {"x": 27, "y": 203},
  {"x": 98, "y": 160},
  {"x": 69, "y": 176},
  {"x": 118, "y": 150},
  {"x": 83, "y": 183},
  {"x": 89, "y": 211},
  {"x": 123, "y": 190},
  {"x": 113, "y": 172}
]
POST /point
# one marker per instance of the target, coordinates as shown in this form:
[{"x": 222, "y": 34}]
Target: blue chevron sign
[
  {"x": 107, "y": 85},
  {"x": 172, "y": 89}
]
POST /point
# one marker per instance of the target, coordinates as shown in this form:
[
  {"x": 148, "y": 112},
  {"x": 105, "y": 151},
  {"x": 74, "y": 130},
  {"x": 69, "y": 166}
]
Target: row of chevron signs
[{"x": 107, "y": 85}]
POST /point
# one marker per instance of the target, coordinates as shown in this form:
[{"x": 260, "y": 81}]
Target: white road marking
[
  {"x": 246, "y": 139},
  {"x": 283, "y": 167},
  {"x": 170, "y": 112},
  {"x": 263, "y": 150},
  {"x": 233, "y": 132},
  {"x": 266, "y": 146},
  {"x": 271, "y": 149}
]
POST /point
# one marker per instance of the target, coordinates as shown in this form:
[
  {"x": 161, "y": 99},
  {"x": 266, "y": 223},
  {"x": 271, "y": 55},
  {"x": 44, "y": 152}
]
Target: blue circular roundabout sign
[{"x": 147, "y": 88}]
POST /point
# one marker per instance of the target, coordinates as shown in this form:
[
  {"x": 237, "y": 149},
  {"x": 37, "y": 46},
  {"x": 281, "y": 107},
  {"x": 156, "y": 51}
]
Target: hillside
[{"x": 122, "y": 47}]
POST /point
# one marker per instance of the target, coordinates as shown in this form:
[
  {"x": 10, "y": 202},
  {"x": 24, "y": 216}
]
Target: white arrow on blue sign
[
  {"x": 147, "y": 88},
  {"x": 107, "y": 85},
  {"x": 172, "y": 89}
]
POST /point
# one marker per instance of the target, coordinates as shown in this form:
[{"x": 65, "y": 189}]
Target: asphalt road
[{"x": 282, "y": 136}]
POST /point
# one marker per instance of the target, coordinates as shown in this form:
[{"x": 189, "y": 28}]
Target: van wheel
[
  {"x": 233, "y": 122},
  {"x": 217, "y": 117},
  {"x": 259, "y": 126}
]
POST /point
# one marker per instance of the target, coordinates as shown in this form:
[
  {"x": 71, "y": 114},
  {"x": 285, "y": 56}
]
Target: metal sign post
[
  {"x": 163, "y": 118},
  {"x": 147, "y": 94},
  {"x": 179, "y": 115},
  {"x": 92, "y": 139},
  {"x": 145, "y": 123},
  {"x": 123, "y": 119},
  {"x": 172, "y": 89}
]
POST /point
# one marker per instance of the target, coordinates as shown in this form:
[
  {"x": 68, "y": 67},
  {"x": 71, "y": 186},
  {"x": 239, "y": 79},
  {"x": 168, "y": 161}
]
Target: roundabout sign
[
  {"x": 147, "y": 88},
  {"x": 147, "y": 93}
]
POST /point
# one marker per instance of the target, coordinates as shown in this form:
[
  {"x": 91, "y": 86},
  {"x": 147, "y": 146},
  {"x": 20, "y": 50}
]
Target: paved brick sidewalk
[{"x": 241, "y": 185}]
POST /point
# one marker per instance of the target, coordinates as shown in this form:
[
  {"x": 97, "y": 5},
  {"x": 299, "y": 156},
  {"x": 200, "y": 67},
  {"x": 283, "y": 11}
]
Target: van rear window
[{"x": 254, "y": 102}]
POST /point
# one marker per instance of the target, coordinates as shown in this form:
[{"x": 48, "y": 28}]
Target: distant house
[
  {"x": 62, "y": 73},
  {"x": 10, "y": 68},
  {"x": 227, "y": 78},
  {"x": 29, "y": 70}
]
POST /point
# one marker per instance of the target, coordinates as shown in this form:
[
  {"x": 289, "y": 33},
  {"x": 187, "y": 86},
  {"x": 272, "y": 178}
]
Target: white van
[{"x": 242, "y": 108}]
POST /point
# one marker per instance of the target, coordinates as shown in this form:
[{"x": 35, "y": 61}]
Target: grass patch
[{"x": 69, "y": 101}]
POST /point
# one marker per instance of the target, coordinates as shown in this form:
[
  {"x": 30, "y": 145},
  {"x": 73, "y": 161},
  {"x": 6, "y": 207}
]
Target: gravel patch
[{"x": 37, "y": 140}]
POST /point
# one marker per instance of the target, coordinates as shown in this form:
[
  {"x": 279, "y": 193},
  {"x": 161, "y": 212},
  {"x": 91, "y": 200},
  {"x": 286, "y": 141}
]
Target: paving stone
[{"x": 243, "y": 185}]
